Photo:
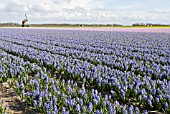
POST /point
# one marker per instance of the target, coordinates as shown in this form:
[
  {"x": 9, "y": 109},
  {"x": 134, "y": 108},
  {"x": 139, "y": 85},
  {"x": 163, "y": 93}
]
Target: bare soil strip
[{"x": 16, "y": 105}]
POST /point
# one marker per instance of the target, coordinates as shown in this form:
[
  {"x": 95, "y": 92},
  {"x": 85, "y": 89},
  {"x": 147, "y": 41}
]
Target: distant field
[
  {"x": 108, "y": 27},
  {"x": 93, "y": 27},
  {"x": 158, "y": 29}
]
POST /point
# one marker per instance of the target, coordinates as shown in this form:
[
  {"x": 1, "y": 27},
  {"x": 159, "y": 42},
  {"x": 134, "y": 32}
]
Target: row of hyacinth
[
  {"x": 153, "y": 94},
  {"x": 123, "y": 64},
  {"x": 104, "y": 40},
  {"x": 80, "y": 71},
  {"x": 152, "y": 67},
  {"x": 138, "y": 43},
  {"x": 49, "y": 95}
]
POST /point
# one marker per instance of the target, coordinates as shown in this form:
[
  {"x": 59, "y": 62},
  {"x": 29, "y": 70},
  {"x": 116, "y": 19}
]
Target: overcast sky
[{"x": 123, "y": 12}]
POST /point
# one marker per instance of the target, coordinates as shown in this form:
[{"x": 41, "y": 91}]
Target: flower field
[{"x": 79, "y": 71}]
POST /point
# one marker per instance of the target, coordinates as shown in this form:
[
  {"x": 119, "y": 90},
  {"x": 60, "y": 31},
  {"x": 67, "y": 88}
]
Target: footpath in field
[{"x": 15, "y": 105}]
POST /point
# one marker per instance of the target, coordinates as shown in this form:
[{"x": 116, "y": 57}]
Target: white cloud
[
  {"x": 83, "y": 11},
  {"x": 26, "y": 9},
  {"x": 160, "y": 11},
  {"x": 2, "y": 7}
]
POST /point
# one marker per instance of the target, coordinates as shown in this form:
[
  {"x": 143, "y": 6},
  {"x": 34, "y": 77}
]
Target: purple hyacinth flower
[{"x": 166, "y": 105}]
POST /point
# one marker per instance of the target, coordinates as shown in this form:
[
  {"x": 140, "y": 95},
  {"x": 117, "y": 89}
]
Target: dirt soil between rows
[{"x": 16, "y": 105}]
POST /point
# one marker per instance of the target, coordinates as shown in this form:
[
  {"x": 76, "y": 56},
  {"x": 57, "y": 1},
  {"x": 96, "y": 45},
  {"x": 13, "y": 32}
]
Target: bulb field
[{"x": 87, "y": 72}]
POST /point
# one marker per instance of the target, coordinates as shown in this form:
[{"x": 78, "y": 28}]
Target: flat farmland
[{"x": 88, "y": 70}]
